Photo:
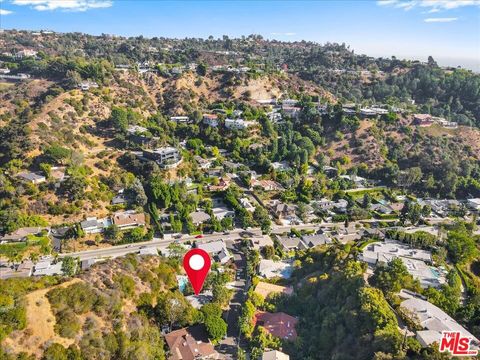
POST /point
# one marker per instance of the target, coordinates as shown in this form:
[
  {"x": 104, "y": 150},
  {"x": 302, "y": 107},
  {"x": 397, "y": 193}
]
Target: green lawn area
[{"x": 37, "y": 243}]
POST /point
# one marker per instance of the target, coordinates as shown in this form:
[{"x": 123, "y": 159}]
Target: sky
[{"x": 448, "y": 30}]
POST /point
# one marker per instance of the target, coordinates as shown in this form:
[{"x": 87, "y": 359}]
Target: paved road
[{"x": 228, "y": 346}]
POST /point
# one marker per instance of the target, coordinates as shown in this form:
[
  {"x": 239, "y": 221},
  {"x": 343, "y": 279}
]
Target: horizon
[{"x": 437, "y": 28}]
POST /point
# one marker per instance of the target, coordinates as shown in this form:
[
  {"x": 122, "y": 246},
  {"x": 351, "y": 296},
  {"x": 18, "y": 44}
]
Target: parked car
[{"x": 199, "y": 236}]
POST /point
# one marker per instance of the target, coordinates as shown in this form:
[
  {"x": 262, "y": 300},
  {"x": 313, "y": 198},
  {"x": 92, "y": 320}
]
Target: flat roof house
[
  {"x": 32, "y": 177},
  {"x": 433, "y": 320},
  {"x": 238, "y": 124},
  {"x": 167, "y": 157},
  {"x": 91, "y": 225}
]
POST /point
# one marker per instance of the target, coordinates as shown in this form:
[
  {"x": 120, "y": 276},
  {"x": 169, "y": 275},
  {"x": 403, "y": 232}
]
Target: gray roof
[
  {"x": 31, "y": 176},
  {"x": 213, "y": 247},
  {"x": 292, "y": 242},
  {"x": 316, "y": 240},
  {"x": 199, "y": 217}
]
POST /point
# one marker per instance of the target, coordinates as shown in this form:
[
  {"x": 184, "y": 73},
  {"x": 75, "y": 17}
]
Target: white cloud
[
  {"x": 5, "y": 12},
  {"x": 432, "y": 5},
  {"x": 440, "y": 20},
  {"x": 65, "y": 5}
]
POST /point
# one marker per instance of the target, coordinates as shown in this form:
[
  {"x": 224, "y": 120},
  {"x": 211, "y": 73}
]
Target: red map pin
[{"x": 196, "y": 263}]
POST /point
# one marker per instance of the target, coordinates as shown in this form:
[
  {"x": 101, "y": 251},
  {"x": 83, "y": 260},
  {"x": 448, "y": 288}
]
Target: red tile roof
[{"x": 278, "y": 324}]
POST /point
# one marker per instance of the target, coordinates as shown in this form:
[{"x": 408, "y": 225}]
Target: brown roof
[
  {"x": 265, "y": 289},
  {"x": 128, "y": 218},
  {"x": 278, "y": 324},
  {"x": 189, "y": 343}
]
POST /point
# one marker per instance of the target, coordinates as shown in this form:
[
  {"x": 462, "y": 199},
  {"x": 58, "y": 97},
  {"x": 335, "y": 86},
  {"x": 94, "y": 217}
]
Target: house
[
  {"x": 289, "y": 102},
  {"x": 216, "y": 249},
  {"x": 136, "y": 130},
  {"x": 22, "y": 234},
  {"x": 311, "y": 241},
  {"x": 180, "y": 119},
  {"x": 57, "y": 173},
  {"x": 258, "y": 242},
  {"x": 433, "y": 321},
  {"x": 45, "y": 267},
  {"x": 25, "y": 53},
  {"x": 281, "y": 210},
  {"x": 87, "y": 264},
  {"x": 291, "y": 243},
  {"x": 279, "y": 324},
  {"x": 128, "y": 219},
  {"x": 238, "y": 124},
  {"x": 221, "y": 212},
  {"x": 92, "y": 225},
  {"x": 190, "y": 344},
  {"x": 415, "y": 260},
  {"x": 118, "y": 200},
  {"x": 275, "y": 355},
  {"x": 266, "y": 185},
  {"x": 167, "y": 157},
  {"x": 199, "y": 217},
  {"x": 474, "y": 204},
  {"x": 197, "y": 301},
  {"x": 223, "y": 184},
  {"x": 203, "y": 163},
  {"x": 32, "y": 177},
  {"x": 247, "y": 205},
  {"x": 423, "y": 120},
  {"x": 86, "y": 85},
  {"x": 367, "y": 112},
  {"x": 266, "y": 289},
  {"x": 210, "y": 120},
  {"x": 25, "y": 269},
  {"x": 269, "y": 269},
  {"x": 281, "y": 166},
  {"x": 291, "y": 111}
]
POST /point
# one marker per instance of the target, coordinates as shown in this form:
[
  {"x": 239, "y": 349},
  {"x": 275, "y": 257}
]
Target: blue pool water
[{"x": 182, "y": 282}]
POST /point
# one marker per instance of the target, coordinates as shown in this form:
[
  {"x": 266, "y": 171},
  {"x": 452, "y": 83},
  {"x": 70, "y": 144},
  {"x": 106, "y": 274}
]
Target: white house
[
  {"x": 238, "y": 124},
  {"x": 433, "y": 320}
]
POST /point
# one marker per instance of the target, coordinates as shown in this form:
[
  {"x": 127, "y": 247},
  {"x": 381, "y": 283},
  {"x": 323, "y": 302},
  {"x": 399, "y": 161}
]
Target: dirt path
[{"x": 40, "y": 325}]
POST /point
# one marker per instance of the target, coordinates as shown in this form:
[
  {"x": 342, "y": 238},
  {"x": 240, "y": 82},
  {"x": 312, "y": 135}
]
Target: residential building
[
  {"x": 433, "y": 321},
  {"x": 180, "y": 119},
  {"x": 238, "y": 124},
  {"x": 258, "y": 242},
  {"x": 128, "y": 219},
  {"x": 223, "y": 184},
  {"x": 291, "y": 111},
  {"x": 190, "y": 344},
  {"x": 316, "y": 240},
  {"x": 199, "y": 217},
  {"x": 282, "y": 210},
  {"x": 216, "y": 249},
  {"x": 266, "y": 289},
  {"x": 167, "y": 157},
  {"x": 367, "y": 112},
  {"x": 291, "y": 243},
  {"x": 423, "y": 120},
  {"x": 269, "y": 269},
  {"x": 247, "y": 205},
  {"x": 25, "y": 53},
  {"x": 416, "y": 261},
  {"x": 210, "y": 120},
  {"x": 279, "y": 324},
  {"x": 203, "y": 163},
  {"x": 221, "y": 212},
  {"x": 87, "y": 85},
  {"x": 275, "y": 355},
  {"x": 45, "y": 267},
  {"x": 22, "y": 234},
  {"x": 32, "y": 177},
  {"x": 92, "y": 225},
  {"x": 474, "y": 204},
  {"x": 25, "y": 269}
]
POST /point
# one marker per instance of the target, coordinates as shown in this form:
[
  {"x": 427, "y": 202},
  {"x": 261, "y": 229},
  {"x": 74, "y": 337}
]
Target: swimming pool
[{"x": 182, "y": 282}]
